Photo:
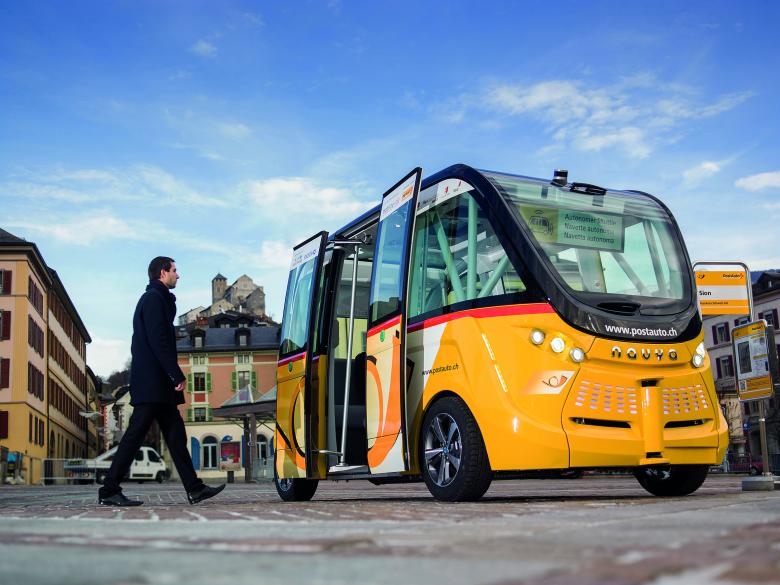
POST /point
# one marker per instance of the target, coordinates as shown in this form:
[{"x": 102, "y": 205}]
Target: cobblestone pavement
[{"x": 595, "y": 530}]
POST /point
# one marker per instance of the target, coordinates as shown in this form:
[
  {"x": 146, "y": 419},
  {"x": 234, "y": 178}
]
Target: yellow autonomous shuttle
[{"x": 478, "y": 325}]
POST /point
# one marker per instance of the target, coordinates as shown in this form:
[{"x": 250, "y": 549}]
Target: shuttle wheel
[
  {"x": 675, "y": 480},
  {"x": 295, "y": 490},
  {"x": 453, "y": 458}
]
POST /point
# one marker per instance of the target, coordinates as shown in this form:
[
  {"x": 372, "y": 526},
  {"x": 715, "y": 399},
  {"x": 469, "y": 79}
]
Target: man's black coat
[{"x": 154, "y": 371}]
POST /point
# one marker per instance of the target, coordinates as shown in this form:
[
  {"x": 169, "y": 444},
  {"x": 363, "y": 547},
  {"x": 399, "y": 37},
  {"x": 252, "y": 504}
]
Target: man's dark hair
[{"x": 157, "y": 264}]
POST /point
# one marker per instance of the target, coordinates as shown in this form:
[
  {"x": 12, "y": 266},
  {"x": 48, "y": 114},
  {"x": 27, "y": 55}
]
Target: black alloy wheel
[{"x": 453, "y": 458}]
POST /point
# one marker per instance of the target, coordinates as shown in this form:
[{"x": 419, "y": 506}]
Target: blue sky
[{"x": 222, "y": 133}]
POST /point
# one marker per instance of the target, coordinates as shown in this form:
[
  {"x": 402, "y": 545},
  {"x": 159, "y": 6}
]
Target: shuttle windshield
[{"x": 609, "y": 248}]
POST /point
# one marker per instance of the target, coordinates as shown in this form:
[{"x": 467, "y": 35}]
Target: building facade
[
  {"x": 218, "y": 362},
  {"x": 43, "y": 379},
  {"x": 743, "y": 417}
]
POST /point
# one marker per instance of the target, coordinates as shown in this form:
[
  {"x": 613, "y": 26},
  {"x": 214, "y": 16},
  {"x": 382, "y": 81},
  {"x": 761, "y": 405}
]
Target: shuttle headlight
[
  {"x": 577, "y": 355},
  {"x": 557, "y": 345},
  {"x": 537, "y": 337},
  {"x": 698, "y": 356}
]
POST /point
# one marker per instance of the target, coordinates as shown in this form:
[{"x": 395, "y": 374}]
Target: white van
[{"x": 147, "y": 466}]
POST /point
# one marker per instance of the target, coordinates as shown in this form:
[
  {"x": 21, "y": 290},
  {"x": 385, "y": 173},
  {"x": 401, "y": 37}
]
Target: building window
[
  {"x": 242, "y": 339},
  {"x": 210, "y": 453},
  {"x": 243, "y": 379},
  {"x": 720, "y": 333},
  {"x": 770, "y": 317},
  {"x": 741, "y": 321},
  {"x": 199, "y": 414},
  {"x": 5, "y": 282},
  {"x": 199, "y": 382},
  {"x": 5, "y": 325},
  {"x": 725, "y": 367},
  {"x": 35, "y": 296},
  {"x": 5, "y": 372},
  {"x": 34, "y": 336},
  {"x": 198, "y": 341},
  {"x": 244, "y": 358}
]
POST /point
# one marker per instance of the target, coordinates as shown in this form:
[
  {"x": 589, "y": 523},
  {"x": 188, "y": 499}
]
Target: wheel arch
[{"x": 427, "y": 405}]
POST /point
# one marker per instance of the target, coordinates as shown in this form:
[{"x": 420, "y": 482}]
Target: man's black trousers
[{"x": 174, "y": 433}]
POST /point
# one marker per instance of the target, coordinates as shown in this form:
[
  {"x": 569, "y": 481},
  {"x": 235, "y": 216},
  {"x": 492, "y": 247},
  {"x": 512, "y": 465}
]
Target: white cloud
[
  {"x": 273, "y": 254},
  {"x": 82, "y": 230},
  {"x": 695, "y": 175},
  {"x": 633, "y": 116},
  {"x": 759, "y": 182},
  {"x": 106, "y": 356},
  {"x": 142, "y": 183},
  {"x": 290, "y": 197},
  {"x": 204, "y": 49}
]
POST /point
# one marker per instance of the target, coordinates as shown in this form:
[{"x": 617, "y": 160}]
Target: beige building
[{"x": 43, "y": 379}]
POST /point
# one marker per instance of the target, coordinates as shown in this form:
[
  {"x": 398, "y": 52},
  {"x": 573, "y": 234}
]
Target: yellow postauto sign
[
  {"x": 723, "y": 292},
  {"x": 754, "y": 379}
]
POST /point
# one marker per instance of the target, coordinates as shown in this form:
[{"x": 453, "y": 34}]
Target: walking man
[{"x": 156, "y": 388}]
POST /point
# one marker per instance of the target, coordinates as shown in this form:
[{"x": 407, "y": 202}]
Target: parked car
[
  {"x": 746, "y": 464},
  {"x": 147, "y": 466}
]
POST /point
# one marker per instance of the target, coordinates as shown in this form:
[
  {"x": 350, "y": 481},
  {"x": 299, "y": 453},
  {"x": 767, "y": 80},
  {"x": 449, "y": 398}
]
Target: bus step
[{"x": 345, "y": 468}]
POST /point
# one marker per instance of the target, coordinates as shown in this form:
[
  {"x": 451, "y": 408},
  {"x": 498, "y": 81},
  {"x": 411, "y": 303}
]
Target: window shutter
[
  {"x": 715, "y": 335},
  {"x": 728, "y": 337},
  {"x": 208, "y": 413},
  {"x": 7, "y": 282},
  {"x": 717, "y": 366},
  {"x": 234, "y": 380},
  {"x": 189, "y": 415},
  {"x": 3, "y": 424},
  {"x": 195, "y": 448},
  {"x": 6, "y": 330},
  {"x": 774, "y": 318},
  {"x": 5, "y": 372},
  {"x": 254, "y": 379},
  {"x": 189, "y": 382},
  {"x": 208, "y": 382}
]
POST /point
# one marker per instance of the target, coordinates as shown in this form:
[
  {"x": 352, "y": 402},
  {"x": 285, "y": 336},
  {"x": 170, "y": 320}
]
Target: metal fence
[{"x": 66, "y": 472}]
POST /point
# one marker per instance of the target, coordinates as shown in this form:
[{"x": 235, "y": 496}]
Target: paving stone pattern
[{"x": 595, "y": 530}]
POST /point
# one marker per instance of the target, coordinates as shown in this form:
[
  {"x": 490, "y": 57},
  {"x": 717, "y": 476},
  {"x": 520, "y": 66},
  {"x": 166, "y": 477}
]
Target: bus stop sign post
[
  {"x": 757, "y": 373},
  {"x": 725, "y": 288}
]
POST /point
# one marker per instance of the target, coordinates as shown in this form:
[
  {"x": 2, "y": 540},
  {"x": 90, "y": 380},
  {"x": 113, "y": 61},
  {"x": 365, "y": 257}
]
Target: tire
[
  {"x": 100, "y": 477},
  {"x": 453, "y": 459},
  {"x": 753, "y": 471},
  {"x": 295, "y": 490},
  {"x": 675, "y": 480},
  {"x": 160, "y": 477}
]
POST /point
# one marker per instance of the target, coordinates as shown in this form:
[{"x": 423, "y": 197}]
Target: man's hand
[{"x": 180, "y": 386}]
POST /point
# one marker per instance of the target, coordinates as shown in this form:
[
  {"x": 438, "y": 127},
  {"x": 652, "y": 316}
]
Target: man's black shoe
[
  {"x": 204, "y": 493},
  {"x": 118, "y": 500}
]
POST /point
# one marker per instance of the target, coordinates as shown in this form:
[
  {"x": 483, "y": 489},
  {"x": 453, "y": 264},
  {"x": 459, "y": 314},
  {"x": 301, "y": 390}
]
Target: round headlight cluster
[{"x": 557, "y": 345}]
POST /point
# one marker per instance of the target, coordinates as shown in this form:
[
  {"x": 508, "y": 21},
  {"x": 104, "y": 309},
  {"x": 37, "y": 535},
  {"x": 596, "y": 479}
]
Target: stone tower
[{"x": 218, "y": 286}]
